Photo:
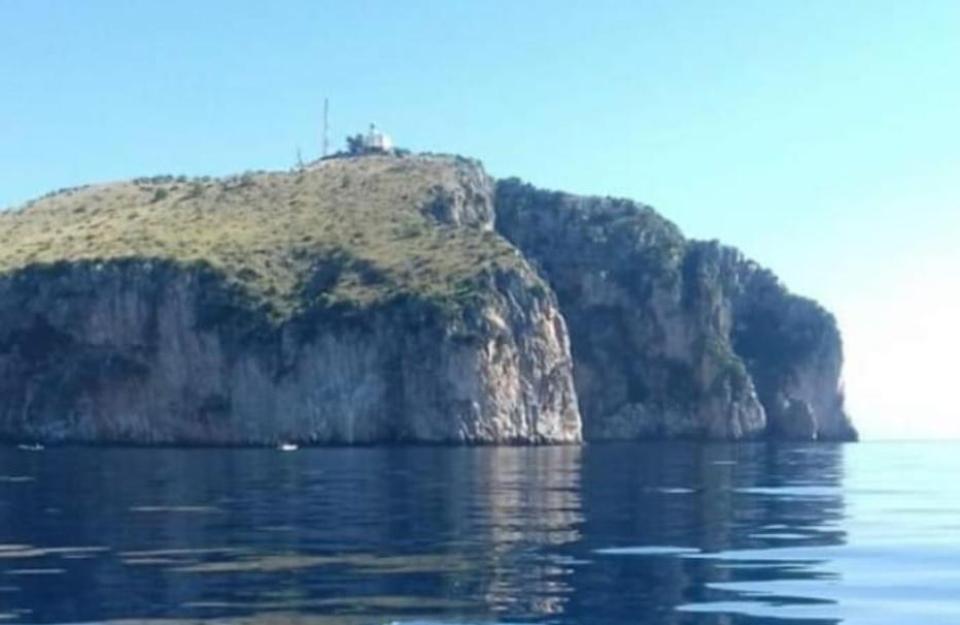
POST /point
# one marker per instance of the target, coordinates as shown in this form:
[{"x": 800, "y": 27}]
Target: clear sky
[{"x": 821, "y": 137}]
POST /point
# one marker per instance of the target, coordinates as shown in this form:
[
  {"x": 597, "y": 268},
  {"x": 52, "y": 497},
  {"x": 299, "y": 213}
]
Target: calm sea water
[{"x": 606, "y": 534}]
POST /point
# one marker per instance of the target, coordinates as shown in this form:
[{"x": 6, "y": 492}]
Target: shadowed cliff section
[{"x": 676, "y": 338}]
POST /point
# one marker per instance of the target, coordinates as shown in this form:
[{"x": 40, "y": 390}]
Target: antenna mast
[{"x": 326, "y": 126}]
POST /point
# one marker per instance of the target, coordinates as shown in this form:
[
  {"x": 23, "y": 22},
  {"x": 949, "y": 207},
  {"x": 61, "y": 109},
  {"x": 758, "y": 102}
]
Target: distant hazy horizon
[{"x": 820, "y": 137}]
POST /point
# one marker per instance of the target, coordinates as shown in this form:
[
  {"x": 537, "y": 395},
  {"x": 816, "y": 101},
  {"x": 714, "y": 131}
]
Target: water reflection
[
  {"x": 648, "y": 533},
  {"x": 670, "y": 526}
]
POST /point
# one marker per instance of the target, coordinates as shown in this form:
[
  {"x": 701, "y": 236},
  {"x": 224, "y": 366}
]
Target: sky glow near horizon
[{"x": 821, "y": 138}]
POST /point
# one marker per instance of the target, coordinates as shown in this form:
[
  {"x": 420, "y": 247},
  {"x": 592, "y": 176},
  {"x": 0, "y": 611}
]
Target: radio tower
[{"x": 326, "y": 126}]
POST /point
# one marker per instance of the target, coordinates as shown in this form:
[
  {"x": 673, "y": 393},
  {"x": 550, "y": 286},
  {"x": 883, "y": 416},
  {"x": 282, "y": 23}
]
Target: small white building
[{"x": 376, "y": 141}]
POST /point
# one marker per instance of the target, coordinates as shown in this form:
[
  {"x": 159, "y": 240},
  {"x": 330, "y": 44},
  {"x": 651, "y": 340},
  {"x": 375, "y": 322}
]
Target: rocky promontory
[
  {"x": 676, "y": 338},
  {"x": 393, "y": 299}
]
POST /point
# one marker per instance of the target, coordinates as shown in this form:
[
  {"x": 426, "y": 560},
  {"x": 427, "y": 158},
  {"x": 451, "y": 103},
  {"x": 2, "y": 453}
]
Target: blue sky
[{"x": 821, "y": 137}]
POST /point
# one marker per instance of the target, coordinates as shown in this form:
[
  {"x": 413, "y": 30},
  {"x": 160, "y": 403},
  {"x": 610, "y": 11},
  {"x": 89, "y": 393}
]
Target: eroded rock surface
[
  {"x": 150, "y": 353},
  {"x": 383, "y": 299},
  {"x": 676, "y": 338}
]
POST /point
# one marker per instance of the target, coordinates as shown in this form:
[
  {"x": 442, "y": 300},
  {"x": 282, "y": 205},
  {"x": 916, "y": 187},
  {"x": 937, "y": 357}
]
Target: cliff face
[
  {"x": 393, "y": 299},
  {"x": 430, "y": 330},
  {"x": 673, "y": 338},
  {"x": 150, "y": 353},
  {"x": 790, "y": 345}
]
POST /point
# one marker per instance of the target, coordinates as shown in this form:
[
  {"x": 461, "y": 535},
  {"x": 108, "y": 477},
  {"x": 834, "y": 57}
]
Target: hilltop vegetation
[{"x": 344, "y": 231}]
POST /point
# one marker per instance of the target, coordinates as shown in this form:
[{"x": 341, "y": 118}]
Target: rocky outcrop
[
  {"x": 383, "y": 299},
  {"x": 463, "y": 197},
  {"x": 152, "y": 353},
  {"x": 673, "y": 338},
  {"x": 789, "y": 344}
]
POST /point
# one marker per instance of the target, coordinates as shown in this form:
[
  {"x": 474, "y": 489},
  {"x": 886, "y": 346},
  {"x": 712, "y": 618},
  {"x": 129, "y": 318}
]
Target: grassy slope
[{"x": 269, "y": 232}]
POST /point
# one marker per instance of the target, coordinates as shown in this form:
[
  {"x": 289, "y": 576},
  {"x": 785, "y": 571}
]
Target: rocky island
[{"x": 386, "y": 298}]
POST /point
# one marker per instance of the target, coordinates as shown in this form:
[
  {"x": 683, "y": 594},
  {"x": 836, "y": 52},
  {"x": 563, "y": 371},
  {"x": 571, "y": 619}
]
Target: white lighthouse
[{"x": 377, "y": 141}]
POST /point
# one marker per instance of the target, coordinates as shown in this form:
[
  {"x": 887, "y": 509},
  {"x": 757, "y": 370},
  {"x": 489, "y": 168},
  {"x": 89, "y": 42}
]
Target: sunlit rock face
[
  {"x": 676, "y": 338},
  {"x": 360, "y": 300},
  {"x": 155, "y": 354},
  {"x": 384, "y": 299}
]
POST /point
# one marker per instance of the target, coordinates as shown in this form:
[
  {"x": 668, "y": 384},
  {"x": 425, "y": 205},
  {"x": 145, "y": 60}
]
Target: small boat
[
  {"x": 288, "y": 447},
  {"x": 34, "y": 447}
]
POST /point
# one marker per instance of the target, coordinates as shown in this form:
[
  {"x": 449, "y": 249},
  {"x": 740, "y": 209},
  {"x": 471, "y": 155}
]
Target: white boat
[{"x": 288, "y": 447}]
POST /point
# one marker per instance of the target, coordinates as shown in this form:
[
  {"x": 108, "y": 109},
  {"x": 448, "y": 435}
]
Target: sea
[{"x": 604, "y": 534}]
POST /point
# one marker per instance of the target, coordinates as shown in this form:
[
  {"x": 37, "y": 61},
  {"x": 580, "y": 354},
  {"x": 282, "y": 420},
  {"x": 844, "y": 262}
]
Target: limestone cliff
[
  {"x": 676, "y": 338},
  {"x": 308, "y": 320},
  {"x": 382, "y": 298}
]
